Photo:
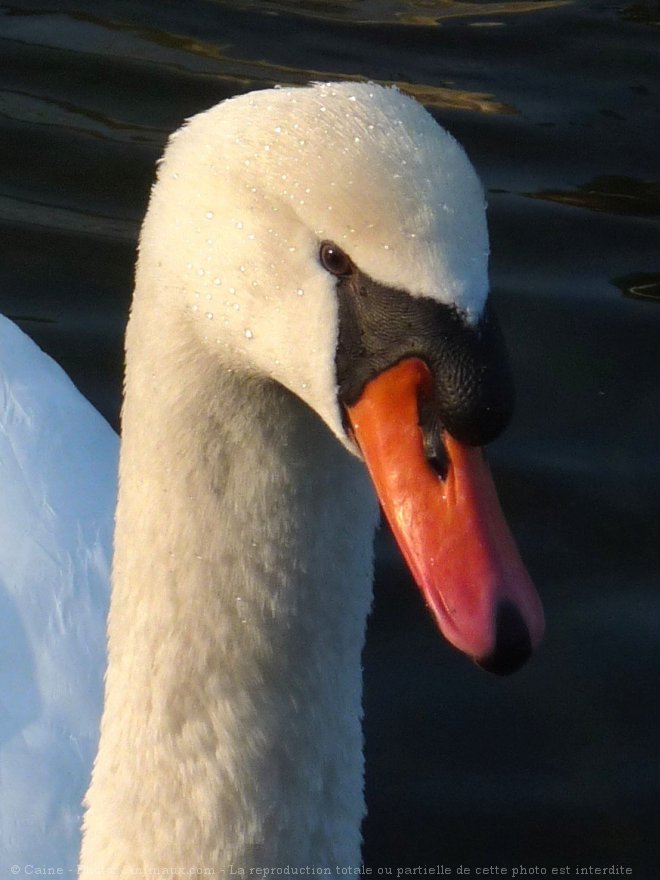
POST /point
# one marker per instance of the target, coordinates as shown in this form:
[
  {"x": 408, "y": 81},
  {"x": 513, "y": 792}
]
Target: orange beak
[{"x": 451, "y": 530}]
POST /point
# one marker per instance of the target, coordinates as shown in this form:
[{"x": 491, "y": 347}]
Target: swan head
[
  {"x": 249, "y": 190},
  {"x": 333, "y": 238}
]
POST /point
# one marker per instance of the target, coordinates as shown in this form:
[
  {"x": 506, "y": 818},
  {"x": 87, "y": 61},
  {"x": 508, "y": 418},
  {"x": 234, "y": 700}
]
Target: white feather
[{"x": 58, "y": 475}]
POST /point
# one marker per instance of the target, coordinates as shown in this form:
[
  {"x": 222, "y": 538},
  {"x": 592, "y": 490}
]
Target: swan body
[
  {"x": 311, "y": 291},
  {"x": 58, "y": 473}
]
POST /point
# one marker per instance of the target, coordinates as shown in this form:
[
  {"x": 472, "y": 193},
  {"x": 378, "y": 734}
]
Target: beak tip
[{"x": 513, "y": 641}]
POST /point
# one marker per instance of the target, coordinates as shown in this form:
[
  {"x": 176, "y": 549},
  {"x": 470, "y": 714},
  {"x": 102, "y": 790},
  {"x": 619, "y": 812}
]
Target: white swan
[
  {"x": 312, "y": 280},
  {"x": 58, "y": 478}
]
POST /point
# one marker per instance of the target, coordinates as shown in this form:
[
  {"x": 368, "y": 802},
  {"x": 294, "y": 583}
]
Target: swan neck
[{"x": 231, "y": 733}]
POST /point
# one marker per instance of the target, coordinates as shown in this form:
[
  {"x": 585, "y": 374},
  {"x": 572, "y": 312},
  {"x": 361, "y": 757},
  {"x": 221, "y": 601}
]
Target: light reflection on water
[
  {"x": 423, "y": 13},
  {"x": 555, "y": 105}
]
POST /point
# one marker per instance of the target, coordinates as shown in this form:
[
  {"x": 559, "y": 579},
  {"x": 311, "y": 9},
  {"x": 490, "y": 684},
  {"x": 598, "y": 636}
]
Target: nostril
[
  {"x": 513, "y": 645},
  {"x": 432, "y": 428},
  {"x": 435, "y": 453}
]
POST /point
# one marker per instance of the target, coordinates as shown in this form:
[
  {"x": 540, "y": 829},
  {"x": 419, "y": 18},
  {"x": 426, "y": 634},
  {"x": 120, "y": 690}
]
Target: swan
[
  {"x": 58, "y": 486},
  {"x": 310, "y": 322}
]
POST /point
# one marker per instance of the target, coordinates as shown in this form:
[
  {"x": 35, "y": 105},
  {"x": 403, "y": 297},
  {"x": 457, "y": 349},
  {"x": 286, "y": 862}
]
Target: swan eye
[{"x": 335, "y": 260}]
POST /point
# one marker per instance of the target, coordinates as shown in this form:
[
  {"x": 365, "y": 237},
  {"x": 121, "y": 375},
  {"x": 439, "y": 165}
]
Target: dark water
[{"x": 558, "y": 105}]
